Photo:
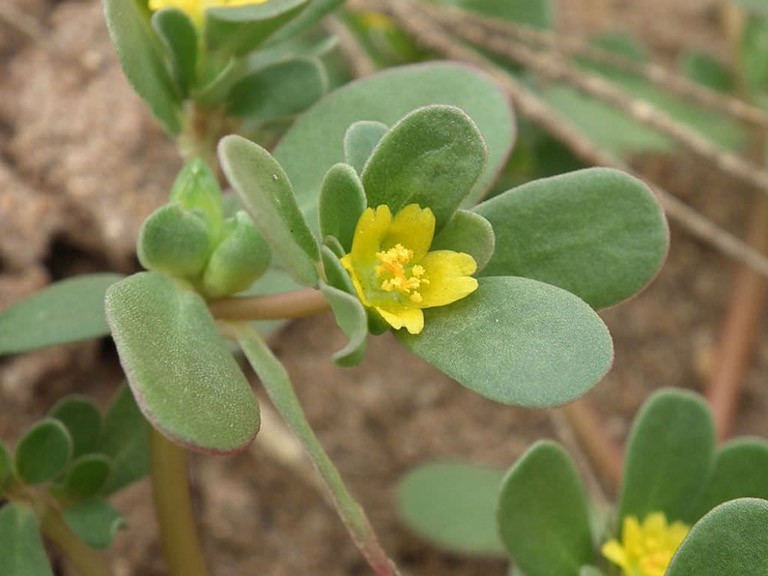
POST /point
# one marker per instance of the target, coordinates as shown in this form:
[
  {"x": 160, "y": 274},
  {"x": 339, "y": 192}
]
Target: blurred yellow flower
[
  {"x": 646, "y": 549},
  {"x": 394, "y": 272},
  {"x": 195, "y": 9}
]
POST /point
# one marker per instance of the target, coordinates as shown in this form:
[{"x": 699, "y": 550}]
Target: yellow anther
[{"x": 395, "y": 275}]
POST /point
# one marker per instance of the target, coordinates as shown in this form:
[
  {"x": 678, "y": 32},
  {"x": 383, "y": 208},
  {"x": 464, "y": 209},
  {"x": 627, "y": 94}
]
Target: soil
[{"x": 82, "y": 163}]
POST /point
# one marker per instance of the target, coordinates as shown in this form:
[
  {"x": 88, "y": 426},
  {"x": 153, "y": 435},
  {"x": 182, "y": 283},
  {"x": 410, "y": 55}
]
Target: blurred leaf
[
  {"x": 756, "y": 6},
  {"x": 141, "y": 58},
  {"x": 178, "y": 34},
  {"x": 538, "y": 13},
  {"x": 432, "y": 157},
  {"x": 590, "y": 571},
  {"x": 470, "y": 233},
  {"x": 43, "y": 452},
  {"x": 95, "y": 521},
  {"x": 453, "y": 505},
  {"x": 82, "y": 419},
  {"x": 731, "y": 540},
  {"x": 125, "y": 439},
  {"x": 598, "y": 233},
  {"x": 311, "y": 14},
  {"x": 707, "y": 71},
  {"x": 360, "y": 140},
  {"x": 21, "y": 548},
  {"x": 754, "y": 51},
  {"x": 6, "y": 468},
  {"x": 542, "y": 514},
  {"x": 180, "y": 370},
  {"x": 342, "y": 201},
  {"x": 66, "y": 311},
  {"x": 669, "y": 455},
  {"x": 87, "y": 476},
  {"x": 267, "y": 194},
  {"x": 516, "y": 341}
]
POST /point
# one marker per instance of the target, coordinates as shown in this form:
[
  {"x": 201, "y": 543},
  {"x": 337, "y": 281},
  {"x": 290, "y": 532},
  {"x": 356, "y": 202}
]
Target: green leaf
[
  {"x": 125, "y": 439},
  {"x": 732, "y": 539},
  {"x": 6, "y": 468},
  {"x": 87, "y": 476},
  {"x": 266, "y": 193},
  {"x": 707, "y": 71},
  {"x": 598, "y": 233},
  {"x": 342, "y": 201},
  {"x": 285, "y": 88},
  {"x": 240, "y": 30},
  {"x": 543, "y": 516},
  {"x": 66, "y": 311},
  {"x": 353, "y": 321},
  {"x": 669, "y": 455},
  {"x": 335, "y": 273},
  {"x": 197, "y": 189},
  {"x": 313, "y": 13},
  {"x": 432, "y": 158},
  {"x": 21, "y": 548},
  {"x": 360, "y": 140},
  {"x": 754, "y": 50},
  {"x": 386, "y": 98},
  {"x": 43, "y": 452},
  {"x": 453, "y": 505},
  {"x": 740, "y": 471},
  {"x": 467, "y": 232},
  {"x": 141, "y": 57},
  {"x": 82, "y": 419},
  {"x": 517, "y": 341},
  {"x": 95, "y": 521},
  {"x": 178, "y": 34},
  {"x": 538, "y": 13},
  {"x": 180, "y": 370}
]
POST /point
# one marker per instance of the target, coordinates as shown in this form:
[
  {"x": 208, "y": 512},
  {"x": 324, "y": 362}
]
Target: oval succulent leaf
[
  {"x": 43, "y": 453},
  {"x": 95, "y": 521},
  {"x": 342, "y": 201},
  {"x": 470, "y": 233},
  {"x": 360, "y": 140},
  {"x": 87, "y": 476}
]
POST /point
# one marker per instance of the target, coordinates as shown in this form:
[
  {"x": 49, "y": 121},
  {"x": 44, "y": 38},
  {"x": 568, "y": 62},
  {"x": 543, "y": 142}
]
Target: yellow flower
[
  {"x": 195, "y": 9},
  {"x": 395, "y": 274},
  {"x": 647, "y": 549}
]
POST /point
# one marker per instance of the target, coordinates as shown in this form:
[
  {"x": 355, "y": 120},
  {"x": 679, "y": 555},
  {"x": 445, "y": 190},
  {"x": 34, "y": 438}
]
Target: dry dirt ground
[{"x": 81, "y": 163}]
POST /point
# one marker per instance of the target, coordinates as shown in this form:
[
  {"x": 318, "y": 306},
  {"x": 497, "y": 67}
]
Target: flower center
[{"x": 397, "y": 275}]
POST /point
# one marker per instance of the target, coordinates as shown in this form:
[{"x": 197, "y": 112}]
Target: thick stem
[
  {"x": 86, "y": 560},
  {"x": 288, "y": 305},
  {"x": 277, "y": 383},
  {"x": 173, "y": 507}
]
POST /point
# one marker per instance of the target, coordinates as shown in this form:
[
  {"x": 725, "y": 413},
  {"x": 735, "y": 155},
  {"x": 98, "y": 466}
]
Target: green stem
[
  {"x": 170, "y": 487},
  {"x": 280, "y": 390},
  {"x": 297, "y": 304},
  {"x": 86, "y": 560}
]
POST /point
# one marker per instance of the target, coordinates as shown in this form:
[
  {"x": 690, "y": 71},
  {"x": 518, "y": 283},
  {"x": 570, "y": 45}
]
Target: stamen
[{"x": 395, "y": 277}]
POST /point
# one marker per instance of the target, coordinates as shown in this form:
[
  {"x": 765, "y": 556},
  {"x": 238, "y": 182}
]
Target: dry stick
[
  {"x": 351, "y": 49},
  {"x": 657, "y": 75}
]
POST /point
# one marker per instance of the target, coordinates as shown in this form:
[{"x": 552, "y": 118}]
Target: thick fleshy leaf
[
  {"x": 43, "y": 452},
  {"x": 285, "y": 88},
  {"x": 543, "y": 515},
  {"x": 182, "y": 374},
  {"x": 432, "y": 157},
  {"x": 141, "y": 57},
  {"x": 87, "y": 476},
  {"x": 517, "y": 341},
  {"x": 311, "y": 14},
  {"x": 353, "y": 321},
  {"x": 66, "y": 311},
  {"x": 453, "y": 504},
  {"x": 740, "y": 471},
  {"x": 82, "y": 418},
  {"x": 732, "y": 539},
  {"x": 669, "y": 455},
  {"x": 21, "y": 548},
  {"x": 125, "y": 439},
  {"x": 179, "y": 36},
  {"x": 267, "y": 195},
  {"x": 95, "y": 521},
  {"x": 360, "y": 140},
  {"x": 598, "y": 233},
  {"x": 467, "y": 232},
  {"x": 386, "y": 98},
  {"x": 342, "y": 201}
]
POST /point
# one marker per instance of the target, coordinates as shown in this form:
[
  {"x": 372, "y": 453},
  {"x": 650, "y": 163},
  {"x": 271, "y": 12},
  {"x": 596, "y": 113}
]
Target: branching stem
[{"x": 86, "y": 560}]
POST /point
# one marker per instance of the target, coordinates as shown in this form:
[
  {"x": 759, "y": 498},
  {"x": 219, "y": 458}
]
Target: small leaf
[
  {"x": 141, "y": 58},
  {"x": 731, "y": 540},
  {"x": 467, "y": 232},
  {"x": 453, "y": 505},
  {"x": 197, "y": 189},
  {"x": 87, "y": 476},
  {"x": 598, "y": 233},
  {"x": 543, "y": 516},
  {"x": 179, "y": 36},
  {"x": 95, "y": 521},
  {"x": 182, "y": 374},
  {"x": 82, "y": 419},
  {"x": 125, "y": 439},
  {"x": 342, "y": 201},
  {"x": 669, "y": 455},
  {"x": 432, "y": 157},
  {"x": 6, "y": 468},
  {"x": 310, "y": 15},
  {"x": 66, "y": 311},
  {"x": 517, "y": 341},
  {"x": 43, "y": 452},
  {"x": 266, "y": 193},
  {"x": 282, "y": 89},
  {"x": 360, "y": 139},
  {"x": 353, "y": 321},
  {"x": 21, "y": 548}
]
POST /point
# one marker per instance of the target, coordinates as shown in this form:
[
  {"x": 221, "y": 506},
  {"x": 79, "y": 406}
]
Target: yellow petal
[
  {"x": 346, "y": 261},
  {"x": 412, "y": 319},
  {"x": 613, "y": 551},
  {"x": 413, "y": 227},
  {"x": 449, "y": 277},
  {"x": 368, "y": 235}
]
